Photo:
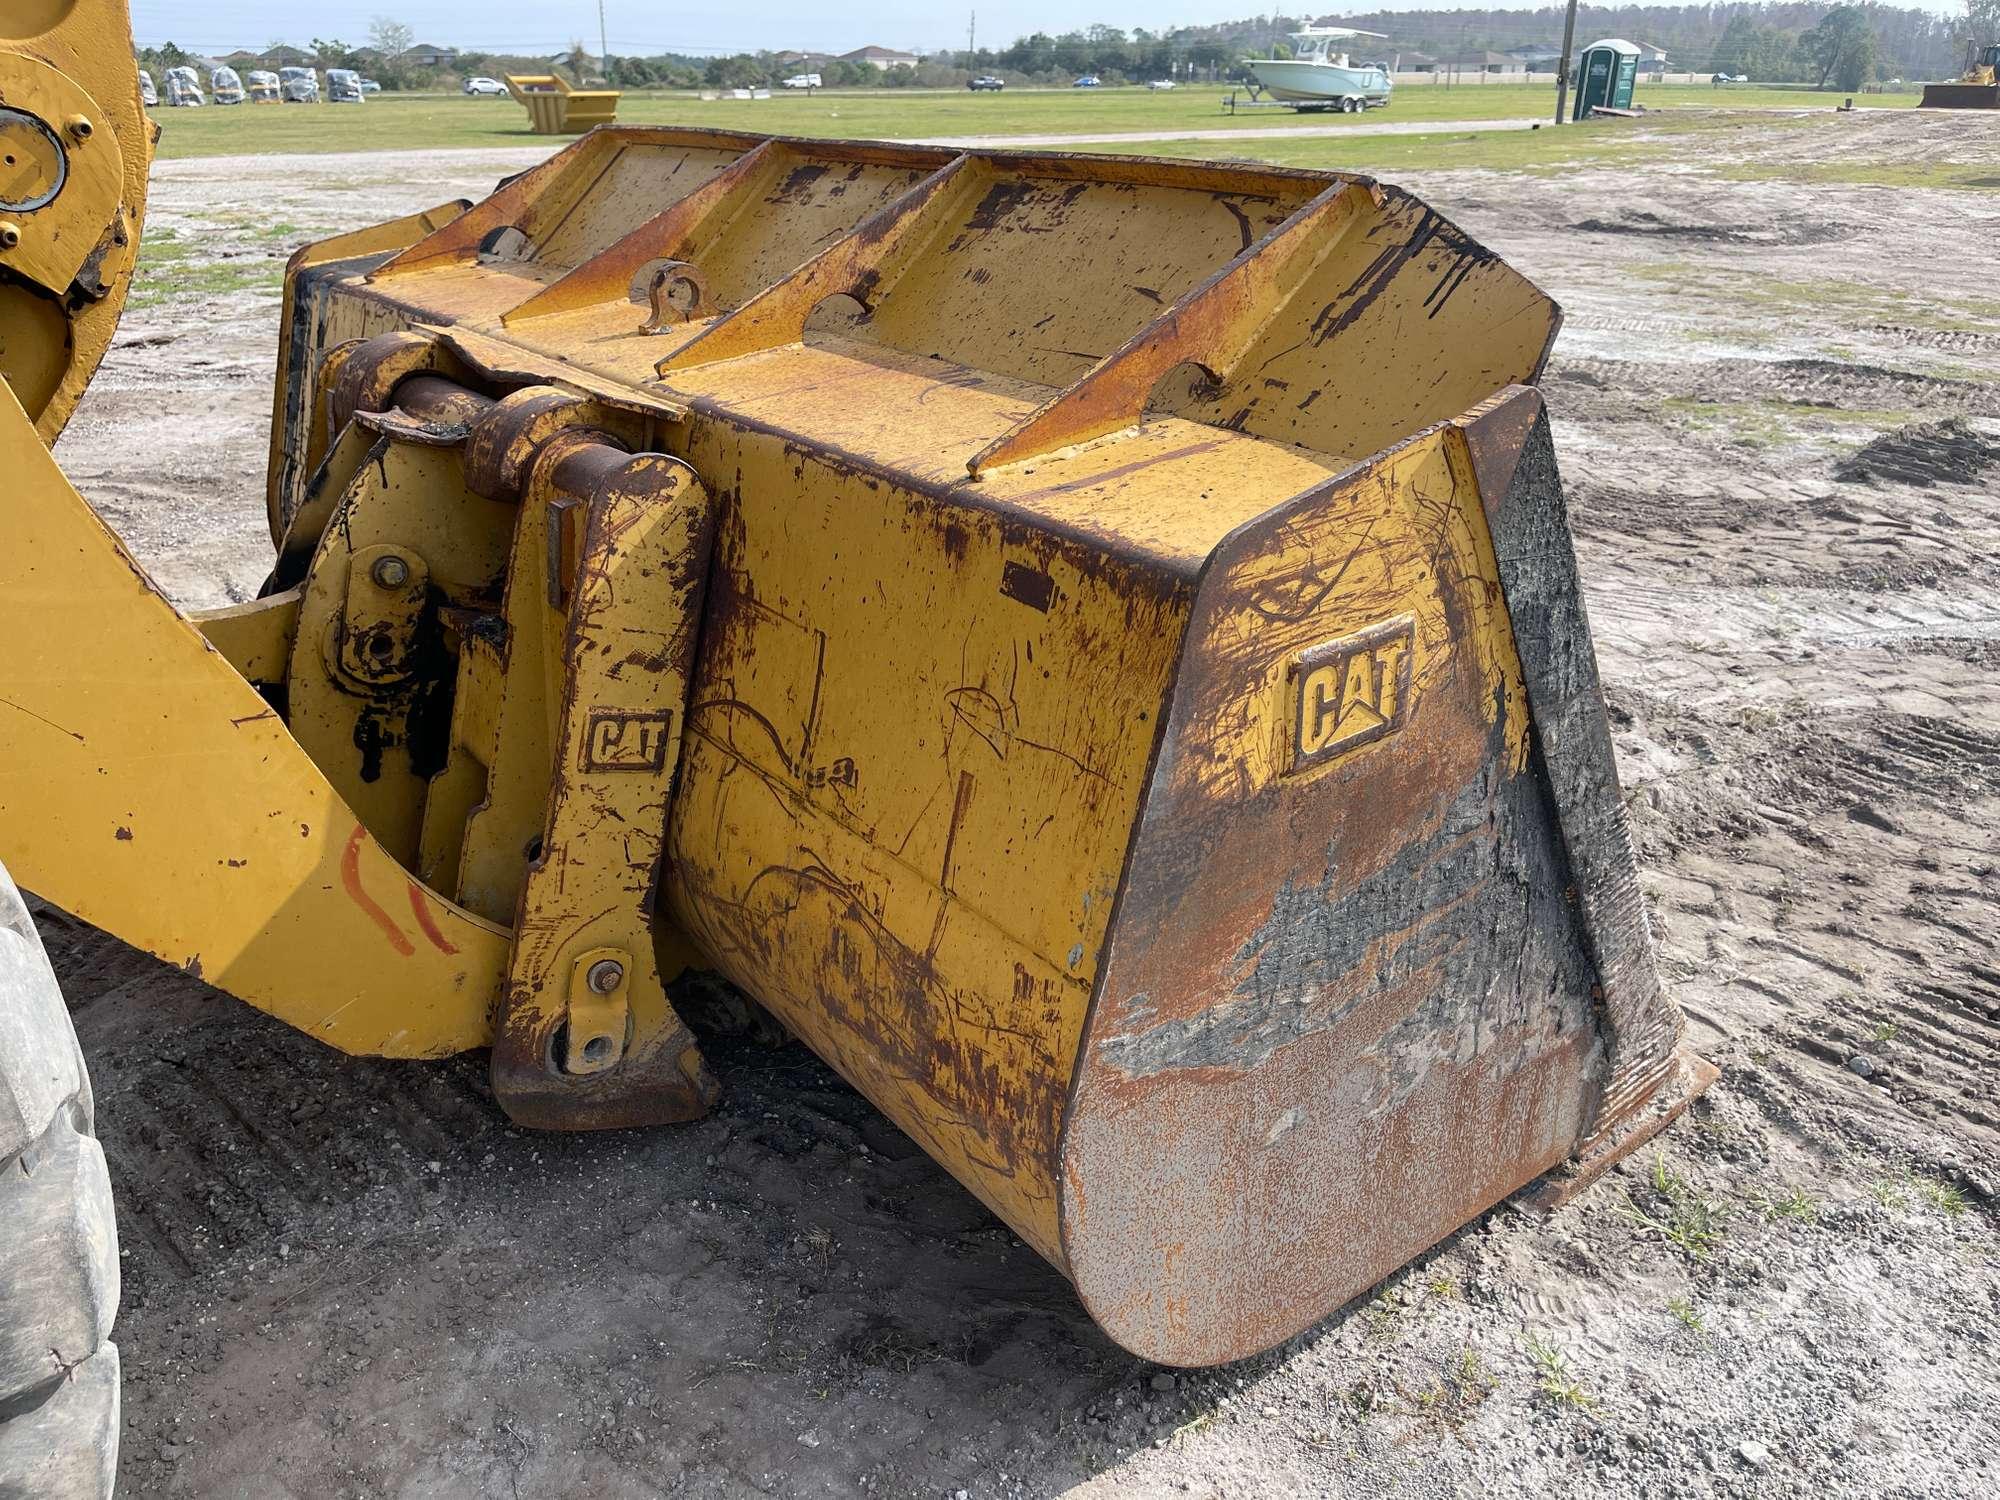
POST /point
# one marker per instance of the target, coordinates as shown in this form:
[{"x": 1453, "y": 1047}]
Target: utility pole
[
  {"x": 1562, "y": 68},
  {"x": 604, "y": 46},
  {"x": 971, "y": 40}
]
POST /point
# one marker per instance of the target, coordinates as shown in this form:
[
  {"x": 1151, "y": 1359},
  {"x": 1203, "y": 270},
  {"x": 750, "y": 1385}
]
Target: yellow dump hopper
[
  {"x": 1092, "y": 644},
  {"x": 555, "y": 108}
]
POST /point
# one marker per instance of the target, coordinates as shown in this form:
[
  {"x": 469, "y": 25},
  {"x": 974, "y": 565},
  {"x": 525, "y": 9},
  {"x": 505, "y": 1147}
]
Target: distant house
[
  {"x": 1415, "y": 62},
  {"x": 242, "y": 59},
  {"x": 1538, "y": 57},
  {"x": 805, "y": 60},
  {"x": 424, "y": 55},
  {"x": 881, "y": 57},
  {"x": 1652, "y": 60},
  {"x": 287, "y": 57},
  {"x": 1487, "y": 62}
]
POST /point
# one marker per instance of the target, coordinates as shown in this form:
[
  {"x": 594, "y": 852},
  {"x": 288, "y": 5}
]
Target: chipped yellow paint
[
  {"x": 1377, "y": 559},
  {"x": 925, "y": 709},
  {"x": 145, "y": 786},
  {"x": 1491, "y": 632},
  {"x": 937, "y": 802},
  {"x": 1015, "y": 462},
  {"x": 362, "y": 247},
  {"x": 456, "y": 542}
]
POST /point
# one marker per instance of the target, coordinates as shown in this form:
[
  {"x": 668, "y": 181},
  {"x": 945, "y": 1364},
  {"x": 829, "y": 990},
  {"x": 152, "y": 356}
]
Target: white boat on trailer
[{"x": 1321, "y": 76}]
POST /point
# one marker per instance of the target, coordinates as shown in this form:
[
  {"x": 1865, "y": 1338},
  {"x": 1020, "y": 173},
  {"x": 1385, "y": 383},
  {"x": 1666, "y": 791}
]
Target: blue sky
[{"x": 637, "y": 27}]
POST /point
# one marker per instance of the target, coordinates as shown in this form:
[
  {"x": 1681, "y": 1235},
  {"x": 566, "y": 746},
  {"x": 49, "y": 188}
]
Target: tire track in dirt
[
  {"x": 1873, "y": 932},
  {"x": 1951, "y": 340},
  {"x": 1592, "y": 388},
  {"x": 240, "y": 1132}
]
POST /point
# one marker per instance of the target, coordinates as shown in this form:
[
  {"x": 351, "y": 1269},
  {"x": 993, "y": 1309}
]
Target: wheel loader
[
  {"x": 1090, "y": 644},
  {"x": 1977, "y": 88}
]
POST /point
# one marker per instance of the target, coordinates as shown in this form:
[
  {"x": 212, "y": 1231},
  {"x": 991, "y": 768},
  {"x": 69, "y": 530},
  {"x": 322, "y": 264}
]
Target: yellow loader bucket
[
  {"x": 1960, "y": 96},
  {"x": 1092, "y": 644},
  {"x": 554, "y": 108},
  {"x": 1977, "y": 88}
]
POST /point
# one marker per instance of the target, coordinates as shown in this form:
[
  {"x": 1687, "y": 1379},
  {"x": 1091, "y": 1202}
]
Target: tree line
[
  {"x": 1837, "y": 45},
  {"x": 1826, "y": 45}
]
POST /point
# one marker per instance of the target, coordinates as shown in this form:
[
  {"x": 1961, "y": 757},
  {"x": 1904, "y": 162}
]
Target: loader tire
[{"x": 58, "y": 1241}]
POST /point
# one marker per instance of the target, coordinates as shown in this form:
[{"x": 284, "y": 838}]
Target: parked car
[
  {"x": 1730, "y": 78},
  {"x": 262, "y": 86},
  {"x": 1160, "y": 83},
  {"x": 370, "y": 86},
  {"x": 343, "y": 86},
  {"x": 148, "y": 94},
  {"x": 225, "y": 87},
  {"x": 1088, "y": 81},
  {"x": 298, "y": 85},
  {"x": 486, "y": 86},
  {"x": 802, "y": 81},
  {"x": 986, "y": 83},
  {"x": 184, "y": 89}
]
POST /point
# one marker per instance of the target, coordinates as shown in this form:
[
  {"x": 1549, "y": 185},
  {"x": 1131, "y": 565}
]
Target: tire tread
[{"x": 59, "y": 1281}]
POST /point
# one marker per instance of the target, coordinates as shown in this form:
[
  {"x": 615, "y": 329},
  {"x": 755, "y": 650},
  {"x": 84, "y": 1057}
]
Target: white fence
[{"x": 1445, "y": 78}]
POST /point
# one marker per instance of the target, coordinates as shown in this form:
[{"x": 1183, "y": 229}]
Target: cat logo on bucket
[{"x": 1350, "y": 692}]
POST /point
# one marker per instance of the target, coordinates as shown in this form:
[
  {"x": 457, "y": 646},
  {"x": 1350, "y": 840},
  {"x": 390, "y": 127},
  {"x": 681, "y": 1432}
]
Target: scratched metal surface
[
  {"x": 1346, "y": 1004},
  {"x": 1121, "y": 777}
]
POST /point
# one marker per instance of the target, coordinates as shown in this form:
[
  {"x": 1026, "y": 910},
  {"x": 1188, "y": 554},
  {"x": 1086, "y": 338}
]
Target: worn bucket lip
[{"x": 1527, "y": 401}]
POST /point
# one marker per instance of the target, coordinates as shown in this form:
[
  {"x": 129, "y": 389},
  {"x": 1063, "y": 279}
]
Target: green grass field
[
  {"x": 1687, "y": 139},
  {"x": 1599, "y": 143},
  {"x": 390, "y": 122}
]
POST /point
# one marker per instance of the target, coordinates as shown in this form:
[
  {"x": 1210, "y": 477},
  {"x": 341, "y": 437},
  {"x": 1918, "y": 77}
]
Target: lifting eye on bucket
[{"x": 675, "y": 291}]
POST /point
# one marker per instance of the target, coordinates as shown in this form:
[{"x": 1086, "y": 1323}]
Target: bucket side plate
[{"x": 1350, "y": 1000}]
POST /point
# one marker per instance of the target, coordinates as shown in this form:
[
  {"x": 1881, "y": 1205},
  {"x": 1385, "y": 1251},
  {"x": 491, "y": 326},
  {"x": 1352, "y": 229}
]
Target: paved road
[{"x": 1362, "y": 126}]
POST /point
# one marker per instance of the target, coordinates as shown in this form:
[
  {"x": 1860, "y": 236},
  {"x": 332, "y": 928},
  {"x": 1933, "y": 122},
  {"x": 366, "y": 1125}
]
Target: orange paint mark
[
  {"x": 422, "y": 908},
  {"x": 350, "y": 875}
]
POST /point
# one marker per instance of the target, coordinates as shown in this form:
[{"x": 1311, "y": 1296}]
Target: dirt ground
[{"x": 1778, "y": 414}]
